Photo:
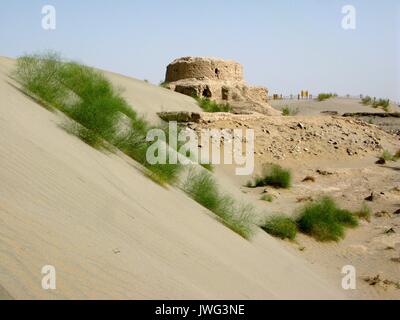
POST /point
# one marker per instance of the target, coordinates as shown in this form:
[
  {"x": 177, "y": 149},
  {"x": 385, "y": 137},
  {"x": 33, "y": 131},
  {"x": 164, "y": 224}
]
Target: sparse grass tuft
[
  {"x": 374, "y": 103},
  {"x": 326, "y": 96},
  {"x": 207, "y": 166},
  {"x": 364, "y": 212},
  {"x": 202, "y": 188},
  {"x": 288, "y": 111},
  {"x": 274, "y": 175},
  {"x": 267, "y": 197},
  {"x": 382, "y": 103},
  {"x": 211, "y": 106},
  {"x": 97, "y": 108},
  {"x": 163, "y": 84},
  {"x": 366, "y": 100},
  {"x": 281, "y": 226},
  {"x": 324, "y": 221},
  {"x": 388, "y": 156}
]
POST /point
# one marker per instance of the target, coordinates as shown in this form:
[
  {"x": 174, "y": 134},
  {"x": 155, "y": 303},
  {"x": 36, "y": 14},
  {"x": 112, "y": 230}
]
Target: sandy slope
[{"x": 113, "y": 233}]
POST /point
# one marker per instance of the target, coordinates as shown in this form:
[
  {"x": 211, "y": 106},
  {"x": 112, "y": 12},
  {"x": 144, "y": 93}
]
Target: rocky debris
[
  {"x": 371, "y": 197},
  {"x": 324, "y": 173},
  {"x": 397, "y": 212},
  {"x": 322, "y": 137},
  {"x": 383, "y": 214},
  {"x": 305, "y": 199},
  {"x": 330, "y": 113},
  {"x": 395, "y": 259},
  {"x": 180, "y": 116},
  {"x": 373, "y": 114},
  {"x": 377, "y": 280},
  {"x": 218, "y": 80},
  {"x": 390, "y": 231},
  {"x": 381, "y": 161},
  {"x": 308, "y": 179}
]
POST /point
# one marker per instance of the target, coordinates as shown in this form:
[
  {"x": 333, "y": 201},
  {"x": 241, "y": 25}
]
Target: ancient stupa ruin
[{"x": 219, "y": 80}]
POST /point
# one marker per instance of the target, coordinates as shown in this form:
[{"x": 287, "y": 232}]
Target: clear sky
[{"x": 285, "y": 45}]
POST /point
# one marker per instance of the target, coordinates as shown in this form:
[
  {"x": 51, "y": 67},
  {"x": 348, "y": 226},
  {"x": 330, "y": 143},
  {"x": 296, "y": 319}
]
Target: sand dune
[{"x": 111, "y": 232}]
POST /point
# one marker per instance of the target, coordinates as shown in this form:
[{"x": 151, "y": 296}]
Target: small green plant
[
  {"x": 364, "y": 212},
  {"x": 287, "y": 111},
  {"x": 274, "y": 175},
  {"x": 366, "y": 100},
  {"x": 388, "y": 156},
  {"x": 207, "y": 166},
  {"x": 211, "y": 106},
  {"x": 267, "y": 198},
  {"x": 324, "y": 221},
  {"x": 281, "y": 226},
  {"x": 163, "y": 84},
  {"x": 202, "y": 188},
  {"x": 326, "y": 96}
]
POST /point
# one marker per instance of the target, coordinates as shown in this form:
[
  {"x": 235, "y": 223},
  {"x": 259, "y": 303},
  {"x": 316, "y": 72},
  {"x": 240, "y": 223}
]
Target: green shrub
[
  {"x": 274, "y": 175},
  {"x": 87, "y": 97},
  {"x": 287, "y": 111},
  {"x": 211, "y": 106},
  {"x": 281, "y": 226},
  {"x": 40, "y": 75},
  {"x": 202, "y": 188},
  {"x": 324, "y": 221},
  {"x": 382, "y": 103},
  {"x": 326, "y": 96},
  {"x": 364, "y": 212}
]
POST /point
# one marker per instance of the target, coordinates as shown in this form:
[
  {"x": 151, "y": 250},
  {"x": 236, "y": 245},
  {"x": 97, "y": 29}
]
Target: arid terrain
[
  {"x": 113, "y": 233},
  {"x": 340, "y": 155}
]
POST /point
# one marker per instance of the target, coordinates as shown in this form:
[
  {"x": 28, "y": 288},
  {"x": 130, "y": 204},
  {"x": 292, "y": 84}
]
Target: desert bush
[
  {"x": 281, "y": 226},
  {"x": 287, "y": 111},
  {"x": 211, "y": 106},
  {"x": 87, "y": 97},
  {"x": 40, "y": 75},
  {"x": 326, "y": 96},
  {"x": 364, "y": 212},
  {"x": 366, "y": 100},
  {"x": 202, "y": 188},
  {"x": 382, "y": 103},
  {"x": 324, "y": 221},
  {"x": 274, "y": 175}
]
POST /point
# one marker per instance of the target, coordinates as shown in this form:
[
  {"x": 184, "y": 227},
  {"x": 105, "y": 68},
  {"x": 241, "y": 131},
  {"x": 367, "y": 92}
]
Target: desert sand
[{"x": 112, "y": 233}]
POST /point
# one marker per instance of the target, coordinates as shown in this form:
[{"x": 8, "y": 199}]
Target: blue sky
[{"x": 285, "y": 45}]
